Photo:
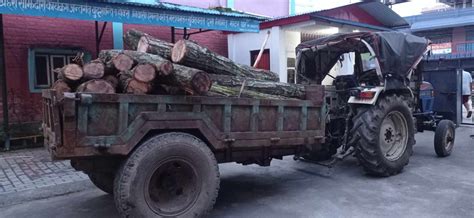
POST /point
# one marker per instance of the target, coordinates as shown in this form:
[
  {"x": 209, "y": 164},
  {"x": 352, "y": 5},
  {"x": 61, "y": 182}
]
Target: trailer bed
[{"x": 80, "y": 125}]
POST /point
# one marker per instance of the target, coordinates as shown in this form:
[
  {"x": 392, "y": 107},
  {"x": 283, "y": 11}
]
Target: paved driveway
[{"x": 428, "y": 187}]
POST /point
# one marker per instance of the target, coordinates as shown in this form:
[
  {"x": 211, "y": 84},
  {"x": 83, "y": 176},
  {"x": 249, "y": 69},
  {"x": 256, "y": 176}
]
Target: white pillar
[{"x": 277, "y": 53}]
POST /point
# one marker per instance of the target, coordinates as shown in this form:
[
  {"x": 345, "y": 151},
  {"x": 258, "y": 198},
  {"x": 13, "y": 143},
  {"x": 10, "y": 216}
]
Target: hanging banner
[{"x": 129, "y": 13}]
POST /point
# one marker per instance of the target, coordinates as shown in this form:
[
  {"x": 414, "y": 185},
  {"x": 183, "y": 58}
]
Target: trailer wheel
[
  {"x": 444, "y": 138},
  {"x": 169, "y": 175},
  {"x": 103, "y": 181},
  {"x": 383, "y": 136}
]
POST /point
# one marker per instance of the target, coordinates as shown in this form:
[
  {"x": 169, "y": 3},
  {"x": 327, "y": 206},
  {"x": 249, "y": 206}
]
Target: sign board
[
  {"x": 441, "y": 48},
  {"x": 133, "y": 14}
]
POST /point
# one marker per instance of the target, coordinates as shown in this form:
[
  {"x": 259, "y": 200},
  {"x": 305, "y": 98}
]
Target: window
[
  {"x": 264, "y": 62},
  {"x": 42, "y": 62}
]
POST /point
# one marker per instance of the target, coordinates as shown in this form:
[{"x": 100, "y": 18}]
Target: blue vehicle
[{"x": 428, "y": 119}]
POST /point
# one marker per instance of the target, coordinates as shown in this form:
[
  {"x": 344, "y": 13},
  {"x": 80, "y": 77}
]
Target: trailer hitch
[{"x": 338, "y": 157}]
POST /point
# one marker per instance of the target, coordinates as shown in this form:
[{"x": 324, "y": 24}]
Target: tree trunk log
[
  {"x": 129, "y": 85},
  {"x": 140, "y": 41},
  {"x": 144, "y": 73},
  {"x": 116, "y": 61},
  {"x": 162, "y": 66},
  {"x": 193, "y": 81},
  {"x": 93, "y": 69},
  {"x": 61, "y": 87},
  {"x": 96, "y": 86},
  {"x": 193, "y": 55},
  {"x": 272, "y": 88},
  {"x": 224, "y": 91},
  {"x": 71, "y": 73},
  {"x": 112, "y": 80}
]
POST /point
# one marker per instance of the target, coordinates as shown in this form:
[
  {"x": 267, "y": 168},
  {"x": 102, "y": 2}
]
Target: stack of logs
[{"x": 157, "y": 67}]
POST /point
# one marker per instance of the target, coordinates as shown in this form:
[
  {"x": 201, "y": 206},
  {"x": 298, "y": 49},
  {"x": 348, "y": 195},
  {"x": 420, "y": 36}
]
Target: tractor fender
[{"x": 370, "y": 101}]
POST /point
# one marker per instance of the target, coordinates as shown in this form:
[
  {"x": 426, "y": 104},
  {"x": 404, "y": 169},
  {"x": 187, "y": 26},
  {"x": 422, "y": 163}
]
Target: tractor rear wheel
[{"x": 383, "y": 136}]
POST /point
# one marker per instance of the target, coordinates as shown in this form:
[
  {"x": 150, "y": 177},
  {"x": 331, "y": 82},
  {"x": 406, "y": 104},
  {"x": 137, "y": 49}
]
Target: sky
[{"x": 413, "y": 7}]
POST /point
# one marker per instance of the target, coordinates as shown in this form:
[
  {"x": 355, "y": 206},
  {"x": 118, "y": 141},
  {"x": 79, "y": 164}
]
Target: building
[
  {"x": 35, "y": 45},
  {"x": 285, "y": 33},
  {"x": 451, "y": 31}
]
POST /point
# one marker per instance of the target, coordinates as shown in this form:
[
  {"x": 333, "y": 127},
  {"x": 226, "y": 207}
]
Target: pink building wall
[
  {"x": 24, "y": 32},
  {"x": 270, "y": 8}
]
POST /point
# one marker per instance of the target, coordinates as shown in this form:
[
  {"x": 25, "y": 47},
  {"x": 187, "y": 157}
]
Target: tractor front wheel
[{"x": 444, "y": 138}]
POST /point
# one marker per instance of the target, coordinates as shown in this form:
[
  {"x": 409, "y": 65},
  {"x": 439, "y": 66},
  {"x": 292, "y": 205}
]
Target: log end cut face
[
  {"x": 123, "y": 62},
  {"x": 166, "y": 68},
  {"x": 60, "y": 86},
  {"x": 179, "y": 51},
  {"x": 144, "y": 73},
  {"x": 143, "y": 44},
  {"x": 138, "y": 88},
  {"x": 201, "y": 82},
  {"x": 94, "y": 70},
  {"x": 73, "y": 72},
  {"x": 96, "y": 86}
]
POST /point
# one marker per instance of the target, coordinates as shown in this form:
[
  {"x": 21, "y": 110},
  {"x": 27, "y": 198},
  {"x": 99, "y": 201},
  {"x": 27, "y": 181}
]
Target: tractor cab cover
[{"x": 397, "y": 54}]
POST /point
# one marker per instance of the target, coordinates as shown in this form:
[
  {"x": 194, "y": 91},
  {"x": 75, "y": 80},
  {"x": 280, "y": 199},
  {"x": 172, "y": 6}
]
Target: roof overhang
[
  {"x": 163, "y": 14},
  {"x": 383, "y": 15},
  {"x": 441, "y": 20},
  {"x": 348, "y": 22}
]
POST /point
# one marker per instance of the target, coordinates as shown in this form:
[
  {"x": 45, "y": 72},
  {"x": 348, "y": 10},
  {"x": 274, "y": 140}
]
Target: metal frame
[
  {"x": 3, "y": 84},
  {"x": 185, "y": 33},
  {"x": 279, "y": 126},
  {"x": 98, "y": 36}
]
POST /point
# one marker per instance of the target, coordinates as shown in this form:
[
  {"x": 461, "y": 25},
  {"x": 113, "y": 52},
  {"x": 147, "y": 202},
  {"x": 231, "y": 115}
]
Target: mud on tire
[
  {"x": 103, "y": 181},
  {"x": 383, "y": 136},
  {"x": 169, "y": 175}
]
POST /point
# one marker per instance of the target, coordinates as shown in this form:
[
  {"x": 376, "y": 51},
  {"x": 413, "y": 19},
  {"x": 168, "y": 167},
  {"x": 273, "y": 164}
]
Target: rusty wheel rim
[
  {"x": 449, "y": 139},
  {"x": 173, "y": 188}
]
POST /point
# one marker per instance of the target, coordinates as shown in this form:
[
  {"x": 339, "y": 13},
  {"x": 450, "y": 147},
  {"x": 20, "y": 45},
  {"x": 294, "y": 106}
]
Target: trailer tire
[
  {"x": 103, "y": 181},
  {"x": 444, "y": 138},
  {"x": 383, "y": 136},
  {"x": 169, "y": 175}
]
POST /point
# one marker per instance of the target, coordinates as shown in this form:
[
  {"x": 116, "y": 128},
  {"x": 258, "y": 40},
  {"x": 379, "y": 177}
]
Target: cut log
[
  {"x": 224, "y": 91},
  {"x": 193, "y": 81},
  {"x": 272, "y": 88},
  {"x": 71, "y": 73},
  {"x": 122, "y": 62},
  {"x": 112, "y": 80},
  {"x": 193, "y": 55},
  {"x": 144, "y": 73},
  {"x": 129, "y": 85},
  {"x": 60, "y": 86},
  {"x": 140, "y": 41},
  {"x": 116, "y": 61},
  {"x": 96, "y": 86},
  {"x": 93, "y": 69},
  {"x": 163, "y": 66}
]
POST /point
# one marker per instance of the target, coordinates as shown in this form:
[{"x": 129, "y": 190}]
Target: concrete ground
[{"x": 428, "y": 187}]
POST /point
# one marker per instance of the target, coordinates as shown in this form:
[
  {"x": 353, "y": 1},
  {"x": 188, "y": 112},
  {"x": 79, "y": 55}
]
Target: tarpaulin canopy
[{"x": 396, "y": 52}]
